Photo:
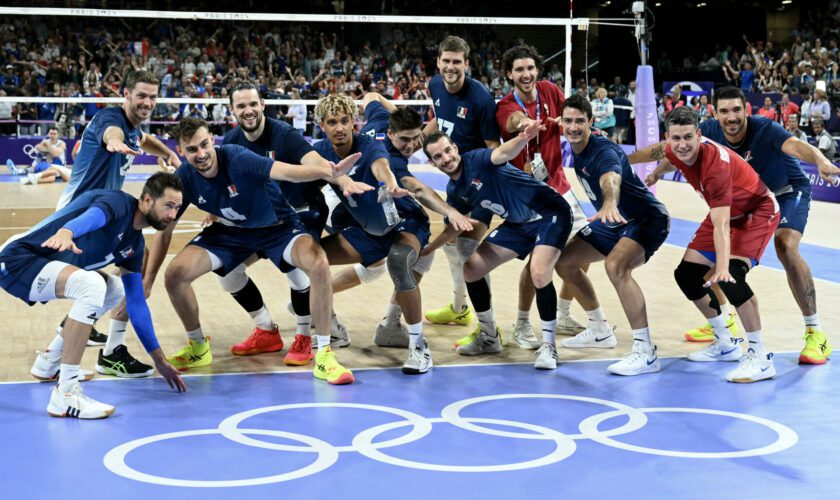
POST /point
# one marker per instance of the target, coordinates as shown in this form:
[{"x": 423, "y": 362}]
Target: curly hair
[{"x": 332, "y": 105}]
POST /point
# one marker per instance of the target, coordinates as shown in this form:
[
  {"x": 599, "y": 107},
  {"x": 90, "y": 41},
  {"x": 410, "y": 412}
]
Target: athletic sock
[
  {"x": 196, "y": 336},
  {"x": 116, "y": 336}
]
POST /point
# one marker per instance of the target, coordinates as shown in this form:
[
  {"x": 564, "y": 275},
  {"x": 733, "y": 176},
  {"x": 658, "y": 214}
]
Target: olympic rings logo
[
  {"x": 364, "y": 442},
  {"x": 30, "y": 151}
]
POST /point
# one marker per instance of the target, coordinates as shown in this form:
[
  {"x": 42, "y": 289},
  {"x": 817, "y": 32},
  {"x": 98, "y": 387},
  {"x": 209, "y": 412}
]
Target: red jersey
[
  {"x": 722, "y": 178},
  {"x": 551, "y": 100}
]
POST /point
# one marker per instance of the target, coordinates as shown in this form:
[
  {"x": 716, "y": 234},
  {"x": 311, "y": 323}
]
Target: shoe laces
[
  {"x": 298, "y": 343},
  {"x": 547, "y": 346}
]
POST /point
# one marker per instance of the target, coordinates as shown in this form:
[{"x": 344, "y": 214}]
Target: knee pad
[
  {"x": 739, "y": 292},
  {"x": 690, "y": 278},
  {"x": 466, "y": 247},
  {"x": 114, "y": 292},
  {"x": 88, "y": 289},
  {"x": 298, "y": 280},
  {"x": 424, "y": 263},
  {"x": 369, "y": 274},
  {"x": 235, "y": 280},
  {"x": 400, "y": 259}
]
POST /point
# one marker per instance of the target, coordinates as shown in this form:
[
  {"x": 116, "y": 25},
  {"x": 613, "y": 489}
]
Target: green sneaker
[
  {"x": 328, "y": 368},
  {"x": 194, "y": 355},
  {"x": 706, "y": 334},
  {"x": 816, "y": 350},
  {"x": 447, "y": 314},
  {"x": 469, "y": 339}
]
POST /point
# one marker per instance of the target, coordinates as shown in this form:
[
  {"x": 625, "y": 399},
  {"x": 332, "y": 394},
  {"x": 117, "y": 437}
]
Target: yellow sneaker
[
  {"x": 469, "y": 339},
  {"x": 447, "y": 314},
  {"x": 706, "y": 334},
  {"x": 328, "y": 368},
  {"x": 194, "y": 355},
  {"x": 817, "y": 350}
]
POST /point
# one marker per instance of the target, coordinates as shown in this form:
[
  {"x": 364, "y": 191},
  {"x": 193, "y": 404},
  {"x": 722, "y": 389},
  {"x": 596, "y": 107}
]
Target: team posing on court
[{"x": 274, "y": 196}]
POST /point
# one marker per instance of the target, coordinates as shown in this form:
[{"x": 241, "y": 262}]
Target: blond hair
[{"x": 335, "y": 104}]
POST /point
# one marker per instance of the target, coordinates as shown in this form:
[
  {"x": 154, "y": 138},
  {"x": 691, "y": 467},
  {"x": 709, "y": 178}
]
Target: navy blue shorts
[
  {"x": 18, "y": 269},
  {"x": 522, "y": 237},
  {"x": 794, "y": 207},
  {"x": 649, "y": 233},
  {"x": 314, "y": 221},
  {"x": 375, "y": 248},
  {"x": 233, "y": 245}
]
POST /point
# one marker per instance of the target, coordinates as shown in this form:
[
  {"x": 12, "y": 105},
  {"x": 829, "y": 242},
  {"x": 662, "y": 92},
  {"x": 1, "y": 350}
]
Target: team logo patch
[
  {"x": 476, "y": 183},
  {"x": 201, "y": 200},
  {"x": 437, "y": 102},
  {"x": 232, "y": 191},
  {"x": 462, "y": 112},
  {"x": 270, "y": 154},
  {"x": 748, "y": 157},
  {"x": 585, "y": 171},
  {"x": 380, "y": 137},
  {"x": 128, "y": 252}
]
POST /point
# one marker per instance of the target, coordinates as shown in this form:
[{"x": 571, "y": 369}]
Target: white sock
[
  {"x": 548, "y": 330},
  {"x": 722, "y": 333},
  {"x": 563, "y": 308},
  {"x": 755, "y": 342},
  {"x": 116, "y": 336},
  {"x": 262, "y": 319},
  {"x": 725, "y": 310},
  {"x": 488, "y": 324},
  {"x": 456, "y": 270},
  {"x": 642, "y": 335},
  {"x": 415, "y": 335},
  {"x": 523, "y": 317},
  {"x": 393, "y": 314},
  {"x": 196, "y": 336},
  {"x": 596, "y": 315},
  {"x": 812, "y": 321},
  {"x": 68, "y": 374},
  {"x": 323, "y": 341},
  {"x": 304, "y": 325},
  {"x": 55, "y": 349}
]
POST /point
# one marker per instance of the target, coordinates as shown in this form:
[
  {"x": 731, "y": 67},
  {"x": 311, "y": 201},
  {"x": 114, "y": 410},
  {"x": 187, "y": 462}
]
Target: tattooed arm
[{"x": 655, "y": 152}]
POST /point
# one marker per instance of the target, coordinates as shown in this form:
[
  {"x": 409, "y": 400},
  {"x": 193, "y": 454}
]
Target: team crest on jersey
[
  {"x": 270, "y": 154},
  {"x": 462, "y": 112},
  {"x": 380, "y": 137},
  {"x": 476, "y": 183},
  {"x": 232, "y": 191},
  {"x": 128, "y": 252},
  {"x": 201, "y": 200},
  {"x": 437, "y": 102},
  {"x": 585, "y": 171},
  {"x": 748, "y": 157}
]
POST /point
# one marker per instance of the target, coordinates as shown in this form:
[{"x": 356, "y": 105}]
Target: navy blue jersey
[
  {"x": 468, "y": 116},
  {"x": 95, "y": 167},
  {"x": 376, "y": 128},
  {"x": 241, "y": 193},
  {"x": 115, "y": 243},
  {"x": 601, "y": 156},
  {"x": 365, "y": 208},
  {"x": 504, "y": 190},
  {"x": 281, "y": 142},
  {"x": 762, "y": 148}
]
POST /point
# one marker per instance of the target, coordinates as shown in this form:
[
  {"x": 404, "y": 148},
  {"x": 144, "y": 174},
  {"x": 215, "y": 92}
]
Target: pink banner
[{"x": 647, "y": 120}]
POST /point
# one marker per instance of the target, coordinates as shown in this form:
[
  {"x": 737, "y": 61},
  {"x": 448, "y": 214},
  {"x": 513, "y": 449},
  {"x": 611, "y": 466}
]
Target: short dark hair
[
  {"x": 580, "y": 103},
  {"x": 730, "y": 93},
  {"x": 243, "y": 85},
  {"x": 140, "y": 76},
  {"x": 405, "y": 119},
  {"x": 521, "y": 52},
  {"x": 454, "y": 43},
  {"x": 433, "y": 138},
  {"x": 682, "y": 116},
  {"x": 157, "y": 184},
  {"x": 52, "y": 127},
  {"x": 187, "y": 128}
]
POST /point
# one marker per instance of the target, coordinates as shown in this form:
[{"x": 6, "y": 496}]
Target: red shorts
[{"x": 748, "y": 235}]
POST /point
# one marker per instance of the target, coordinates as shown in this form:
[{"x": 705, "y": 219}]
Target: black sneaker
[
  {"x": 122, "y": 364},
  {"x": 94, "y": 339}
]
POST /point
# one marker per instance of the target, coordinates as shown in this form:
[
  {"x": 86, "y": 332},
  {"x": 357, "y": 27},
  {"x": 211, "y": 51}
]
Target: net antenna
[{"x": 638, "y": 10}]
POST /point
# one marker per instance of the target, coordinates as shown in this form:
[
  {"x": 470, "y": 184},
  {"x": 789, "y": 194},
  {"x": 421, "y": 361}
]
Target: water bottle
[{"x": 392, "y": 217}]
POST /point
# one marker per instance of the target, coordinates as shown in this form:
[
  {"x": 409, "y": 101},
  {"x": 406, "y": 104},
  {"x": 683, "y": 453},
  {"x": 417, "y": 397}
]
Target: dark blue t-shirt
[
  {"x": 117, "y": 242},
  {"x": 282, "y": 142},
  {"x": 762, "y": 148},
  {"x": 242, "y": 194},
  {"x": 468, "y": 116},
  {"x": 503, "y": 190},
  {"x": 601, "y": 156}
]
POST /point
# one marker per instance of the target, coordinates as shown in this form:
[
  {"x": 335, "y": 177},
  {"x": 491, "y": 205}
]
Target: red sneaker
[
  {"x": 259, "y": 341},
  {"x": 301, "y": 351}
]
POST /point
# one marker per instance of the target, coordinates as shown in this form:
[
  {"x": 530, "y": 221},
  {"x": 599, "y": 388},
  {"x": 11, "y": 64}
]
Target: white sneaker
[
  {"x": 546, "y": 357},
  {"x": 387, "y": 335},
  {"x": 73, "y": 403},
  {"x": 567, "y": 325},
  {"x": 716, "y": 351},
  {"x": 338, "y": 333},
  {"x": 419, "y": 360},
  {"x": 482, "y": 344},
  {"x": 47, "y": 371},
  {"x": 752, "y": 368},
  {"x": 599, "y": 338},
  {"x": 642, "y": 359},
  {"x": 523, "y": 335}
]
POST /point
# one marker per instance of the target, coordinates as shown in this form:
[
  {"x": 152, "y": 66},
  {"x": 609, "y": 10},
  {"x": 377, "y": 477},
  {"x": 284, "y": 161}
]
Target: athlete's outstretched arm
[
  {"x": 611, "y": 189},
  {"x": 806, "y": 152},
  {"x": 431, "y": 200},
  {"x": 513, "y": 147},
  {"x": 154, "y": 146},
  {"x": 654, "y": 152},
  {"x": 381, "y": 169},
  {"x": 376, "y": 96},
  {"x": 720, "y": 220},
  {"x": 663, "y": 168}
]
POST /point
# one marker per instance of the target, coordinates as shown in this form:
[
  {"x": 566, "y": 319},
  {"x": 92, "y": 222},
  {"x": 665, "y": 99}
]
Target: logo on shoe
[
  {"x": 724, "y": 353},
  {"x": 602, "y": 339}
]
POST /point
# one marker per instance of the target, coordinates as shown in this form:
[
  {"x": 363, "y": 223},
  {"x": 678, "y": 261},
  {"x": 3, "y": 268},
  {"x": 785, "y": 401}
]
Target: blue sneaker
[{"x": 12, "y": 168}]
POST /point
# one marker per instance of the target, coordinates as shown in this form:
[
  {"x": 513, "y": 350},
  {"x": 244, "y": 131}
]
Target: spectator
[
  {"x": 820, "y": 107},
  {"x": 787, "y": 108},
  {"x": 825, "y": 142},
  {"x": 704, "y": 109},
  {"x": 7, "y": 110},
  {"x": 805, "y": 110},
  {"x": 602, "y": 110},
  {"x": 792, "y": 126},
  {"x": 768, "y": 110}
]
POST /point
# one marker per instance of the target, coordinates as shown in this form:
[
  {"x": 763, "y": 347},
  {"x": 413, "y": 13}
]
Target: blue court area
[{"x": 458, "y": 432}]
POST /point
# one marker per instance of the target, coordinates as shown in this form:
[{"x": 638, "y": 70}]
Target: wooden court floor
[{"x": 25, "y": 330}]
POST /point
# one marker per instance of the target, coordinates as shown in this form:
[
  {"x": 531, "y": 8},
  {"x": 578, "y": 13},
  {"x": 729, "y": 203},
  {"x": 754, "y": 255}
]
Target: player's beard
[
  {"x": 257, "y": 122},
  {"x": 154, "y": 221}
]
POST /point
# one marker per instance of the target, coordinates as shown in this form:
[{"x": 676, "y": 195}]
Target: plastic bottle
[{"x": 392, "y": 217}]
